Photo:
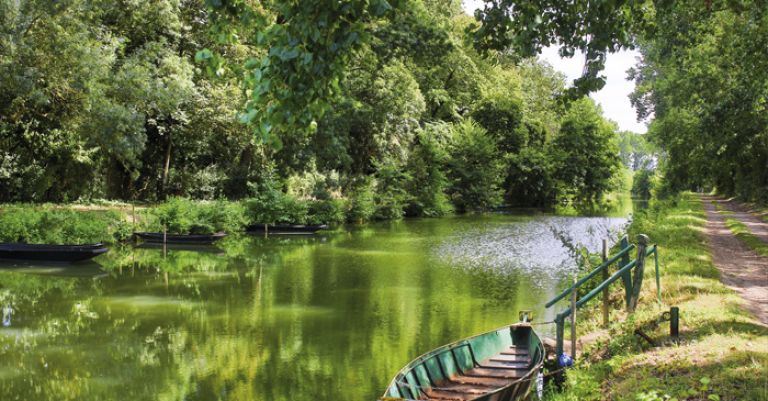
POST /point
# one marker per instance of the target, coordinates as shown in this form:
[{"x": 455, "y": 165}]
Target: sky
[{"x": 614, "y": 97}]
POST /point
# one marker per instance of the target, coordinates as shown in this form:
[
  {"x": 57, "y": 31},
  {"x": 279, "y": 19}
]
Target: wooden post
[
  {"x": 626, "y": 278},
  {"x": 560, "y": 324},
  {"x": 573, "y": 317},
  {"x": 642, "y": 244},
  {"x": 658, "y": 280},
  {"x": 674, "y": 323},
  {"x": 605, "y": 291},
  {"x": 165, "y": 241}
]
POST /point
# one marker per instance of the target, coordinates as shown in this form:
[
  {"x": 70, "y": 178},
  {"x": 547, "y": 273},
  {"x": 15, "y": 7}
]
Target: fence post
[
  {"x": 642, "y": 244},
  {"x": 605, "y": 277},
  {"x": 560, "y": 322},
  {"x": 573, "y": 317},
  {"x": 658, "y": 280},
  {"x": 626, "y": 278}
]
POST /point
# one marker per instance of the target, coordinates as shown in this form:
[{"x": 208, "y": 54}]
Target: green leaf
[{"x": 203, "y": 55}]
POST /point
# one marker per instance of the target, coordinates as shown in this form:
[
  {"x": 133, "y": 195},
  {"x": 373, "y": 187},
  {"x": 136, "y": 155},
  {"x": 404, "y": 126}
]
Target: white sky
[{"x": 614, "y": 97}]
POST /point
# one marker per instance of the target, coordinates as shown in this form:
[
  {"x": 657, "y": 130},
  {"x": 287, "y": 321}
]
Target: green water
[{"x": 330, "y": 317}]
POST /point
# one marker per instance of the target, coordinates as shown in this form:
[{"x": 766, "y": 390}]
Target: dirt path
[
  {"x": 757, "y": 226},
  {"x": 741, "y": 268}
]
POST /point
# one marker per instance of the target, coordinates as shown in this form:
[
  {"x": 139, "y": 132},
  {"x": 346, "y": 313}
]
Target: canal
[{"x": 329, "y": 317}]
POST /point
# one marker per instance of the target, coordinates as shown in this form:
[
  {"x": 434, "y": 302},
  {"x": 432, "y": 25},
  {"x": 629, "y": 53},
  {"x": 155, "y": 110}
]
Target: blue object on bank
[{"x": 565, "y": 360}]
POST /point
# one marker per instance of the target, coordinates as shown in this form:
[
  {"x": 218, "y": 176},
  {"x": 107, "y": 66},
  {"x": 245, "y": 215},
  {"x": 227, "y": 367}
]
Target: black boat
[
  {"x": 181, "y": 238},
  {"x": 51, "y": 253},
  {"x": 298, "y": 229}
]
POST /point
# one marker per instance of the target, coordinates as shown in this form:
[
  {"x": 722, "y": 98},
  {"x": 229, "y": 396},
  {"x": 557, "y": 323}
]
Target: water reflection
[{"x": 312, "y": 318}]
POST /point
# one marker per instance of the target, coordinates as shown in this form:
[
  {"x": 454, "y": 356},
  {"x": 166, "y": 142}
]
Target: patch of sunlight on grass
[{"x": 742, "y": 232}]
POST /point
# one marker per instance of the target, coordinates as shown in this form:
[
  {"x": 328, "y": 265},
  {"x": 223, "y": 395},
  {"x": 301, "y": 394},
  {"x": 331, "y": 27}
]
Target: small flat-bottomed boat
[
  {"x": 501, "y": 365},
  {"x": 285, "y": 229},
  {"x": 191, "y": 239},
  {"x": 51, "y": 253}
]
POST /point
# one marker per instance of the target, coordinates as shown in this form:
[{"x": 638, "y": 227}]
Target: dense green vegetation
[
  {"x": 402, "y": 116},
  {"x": 713, "y": 360},
  {"x": 54, "y": 225}
]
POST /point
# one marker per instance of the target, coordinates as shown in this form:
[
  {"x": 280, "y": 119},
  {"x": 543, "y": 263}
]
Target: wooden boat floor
[{"x": 495, "y": 372}]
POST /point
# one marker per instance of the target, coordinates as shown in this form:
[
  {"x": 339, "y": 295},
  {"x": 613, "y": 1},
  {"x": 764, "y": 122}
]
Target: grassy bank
[{"x": 723, "y": 351}]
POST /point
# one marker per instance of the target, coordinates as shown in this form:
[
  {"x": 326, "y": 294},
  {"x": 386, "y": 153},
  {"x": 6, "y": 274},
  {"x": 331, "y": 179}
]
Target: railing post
[
  {"x": 626, "y": 278},
  {"x": 658, "y": 280},
  {"x": 573, "y": 317},
  {"x": 605, "y": 277},
  {"x": 642, "y": 244},
  {"x": 560, "y": 322}
]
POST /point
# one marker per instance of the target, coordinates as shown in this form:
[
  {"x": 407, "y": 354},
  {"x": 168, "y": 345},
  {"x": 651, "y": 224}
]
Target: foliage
[
  {"x": 642, "y": 183},
  {"x": 427, "y": 181},
  {"x": 391, "y": 196},
  {"x": 709, "y": 116},
  {"x": 47, "y": 224},
  {"x": 531, "y": 178},
  {"x": 184, "y": 216},
  {"x": 107, "y": 102},
  {"x": 586, "y": 153},
  {"x": 474, "y": 168},
  {"x": 362, "y": 204}
]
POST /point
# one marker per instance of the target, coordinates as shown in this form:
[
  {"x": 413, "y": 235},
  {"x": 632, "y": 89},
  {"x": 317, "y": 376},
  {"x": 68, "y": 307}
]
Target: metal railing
[{"x": 632, "y": 284}]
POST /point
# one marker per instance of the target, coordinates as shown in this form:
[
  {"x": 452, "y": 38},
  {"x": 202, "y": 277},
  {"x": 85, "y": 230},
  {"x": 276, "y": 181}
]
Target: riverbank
[{"x": 723, "y": 349}]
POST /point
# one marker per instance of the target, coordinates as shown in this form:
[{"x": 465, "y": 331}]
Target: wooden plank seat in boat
[{"x": 495, "y": 372}]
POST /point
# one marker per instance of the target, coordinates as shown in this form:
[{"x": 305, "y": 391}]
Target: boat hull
[
  {"x": 51, "y": 253},
  {"x": 501, "y": 365},
  {"x": 180, "y": 239},
  {"x": 285, "y": 229}
]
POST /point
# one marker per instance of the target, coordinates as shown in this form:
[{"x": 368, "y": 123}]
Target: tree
[
  {"x": 586, "y": 153},
  {"x": 474, "y": 168}
]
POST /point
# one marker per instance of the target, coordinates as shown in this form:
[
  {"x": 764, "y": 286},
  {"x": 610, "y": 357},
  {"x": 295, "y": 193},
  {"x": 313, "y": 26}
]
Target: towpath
[{"x": 741, "y": 268}]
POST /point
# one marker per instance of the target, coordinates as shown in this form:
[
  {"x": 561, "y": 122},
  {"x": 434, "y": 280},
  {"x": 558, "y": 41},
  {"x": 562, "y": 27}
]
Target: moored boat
[
  {"x": 501, "y": 365},
  {"x": 298, "y": 229},
  {"x": 180, "y": 238},
  {"x": 51, "y": 253}
]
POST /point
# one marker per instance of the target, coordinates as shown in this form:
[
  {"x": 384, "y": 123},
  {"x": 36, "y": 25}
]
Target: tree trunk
[{"x": 166, "y": 167}]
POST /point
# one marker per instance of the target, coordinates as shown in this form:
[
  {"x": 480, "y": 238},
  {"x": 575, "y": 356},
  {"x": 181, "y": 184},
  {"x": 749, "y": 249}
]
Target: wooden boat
[
  {"x": 283, "y": 229},
  {"x": 180, "y": 238},
  {"x": 501, "y": 365},
  {"x": 51, "y": 253}
]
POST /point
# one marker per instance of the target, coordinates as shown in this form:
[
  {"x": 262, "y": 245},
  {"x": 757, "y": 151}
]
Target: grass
[
  {"x": 741, "y": 231},
  {"x": 723, "y": 351}
]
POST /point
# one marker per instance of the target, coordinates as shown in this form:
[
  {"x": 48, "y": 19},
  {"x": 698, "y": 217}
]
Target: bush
[
  {"x": 530, "y": 179},
  {"x": 331, "y": 211},
  {"x": 49, "y": 225},
  {"x": 642, "y": 183},
  {"x": 474, "y": 168},
  {"x": 184, "y": 216},
  {"x": 361, "y": 201},
  {"x": 426, "y": 180},
  {"x": 390, "y": 196}
]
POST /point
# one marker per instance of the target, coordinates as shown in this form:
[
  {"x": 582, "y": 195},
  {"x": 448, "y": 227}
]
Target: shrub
[
  {"x": 642, "y": 183},
  {"x": 474, "y": 168},
  {"x": 390, "y": 196},
  {"x": 276, "y": 207},
  {"x": 49, "y": 225},
  {"x": 184, "y": 216},
  {"x": 331, "y": 211},
  {"x": 426, "y": 180},
  {"x": 361, "y": 201},
  {"x": 530, "y": 179}
]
